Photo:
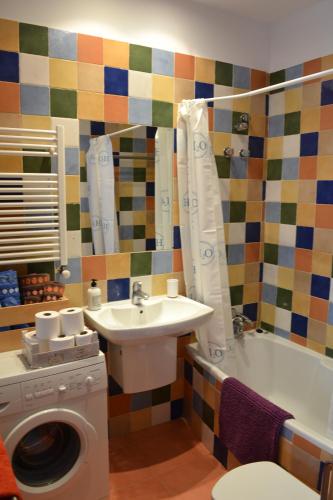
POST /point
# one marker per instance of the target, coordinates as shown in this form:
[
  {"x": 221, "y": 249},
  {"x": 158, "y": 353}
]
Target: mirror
[{"x": 126, "y": 187}]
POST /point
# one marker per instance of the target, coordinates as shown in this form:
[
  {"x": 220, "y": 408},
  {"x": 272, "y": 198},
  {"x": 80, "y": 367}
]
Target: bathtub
[{"x": 291, "y": 376}]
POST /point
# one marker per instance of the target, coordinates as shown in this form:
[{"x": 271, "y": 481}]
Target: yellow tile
[
  {"x": 150, "y": 230},
  {"x": 126, "y": 246},
  {"x": 242, "y": 105},
  {"x": 184, "y": 89},
  {"x": 268, "y": 313},
  {"x": 221, "y": 141},
  {"x": 293, "y": 100},
  {"x": 329, "y": 336},
  {"x": 115, "y": 54},
  {"x": 286, "y": 278},
  {"x": 258, "y": 105},
  {"x": 324, "y": 167},
  {"x": 301, "y": 303},
  {"x": 90, "y": 106},
  {"x": 82, "y": 158},
  {"x": 311, "y": 95},
  {"x": 310, "y": 119},
  {"x": 140, "y": 419},
  {"x": 139, "y": 218},
  {"x": 236, "y": 275},
  {"x": 90, "y": 77},
  {"x": 125, "y": 189},
  {"x": 63, "y": 74},
  {"x": 251, "y": 293},
  {"x": 238, "y": 189},
  {"x": 163, "y": 88},
  {"x": 9, "y": 35},
  {"x": 289, "y": 191},
  {"x": 10, "y": 119},
  {"x": 159, "y": 284},
  {"x": 321, "y": 263},
  {"x": 85, "y": 219},
  {"x": 204, "y": 70},
  {"x": 254, "y": 211},
  {"x": 272, "y": 233},
  {"x": 257, "y": 125},
  {"x": 327, "y": 62},
  {"x": 119, "y": 425},
  {"x": 74, "y": 292},
  {"x": 315, "y": 346},
  {"x": 274, "y": 148},
  {"x": 209, "y": 393},
  {"x": 118, "y": 265},
  {"x": 72, "y": 189},
  {"x": 306, "y": 214},
  {"x": 40, "y": 122}
]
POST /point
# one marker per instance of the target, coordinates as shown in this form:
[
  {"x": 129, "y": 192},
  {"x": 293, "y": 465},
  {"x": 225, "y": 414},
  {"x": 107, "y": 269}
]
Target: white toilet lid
[{"x": 261, "y": 481}]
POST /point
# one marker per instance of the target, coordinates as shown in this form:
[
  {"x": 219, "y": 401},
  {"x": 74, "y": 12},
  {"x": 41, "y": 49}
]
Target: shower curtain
[
  {"x": 101, "y": 195},
  {"x": 163, "y": 188},
  {"x": 202, "y": 227}
]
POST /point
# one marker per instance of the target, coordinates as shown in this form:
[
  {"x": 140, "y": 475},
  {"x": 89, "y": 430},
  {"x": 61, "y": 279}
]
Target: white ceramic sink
[{"x": 122, "y": 323}]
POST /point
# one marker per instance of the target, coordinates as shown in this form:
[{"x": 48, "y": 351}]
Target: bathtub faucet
[
  {"x": 239, "y": 320},
  {"x": 326, "y": 491}
]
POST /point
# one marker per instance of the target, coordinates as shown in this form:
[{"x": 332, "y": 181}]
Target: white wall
[
  {"x": 304, "y": 35},
  {"x": 176, "y": 25}
]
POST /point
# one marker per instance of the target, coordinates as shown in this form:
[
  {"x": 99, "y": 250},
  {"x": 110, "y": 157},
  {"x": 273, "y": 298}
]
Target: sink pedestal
[{"x": 144, "y": 366}]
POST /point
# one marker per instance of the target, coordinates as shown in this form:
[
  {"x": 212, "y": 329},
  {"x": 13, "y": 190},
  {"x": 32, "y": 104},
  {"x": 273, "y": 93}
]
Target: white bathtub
[{"x": 291, "y": 376}]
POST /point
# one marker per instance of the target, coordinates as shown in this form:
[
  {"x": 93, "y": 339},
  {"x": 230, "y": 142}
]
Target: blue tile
[
  {"x": 223, "y": 120},
  {"x": 35, "y": 100},
  {"x": 327, "y": 92},
  {"x": 74, "y": 265},
  {"x": 151, "y": 132},
  {"x": 238, "y": 168},
  {"x": 113, "y": 387},
  {"x": 115, "y": 81},
  {"x": 286, "y": 256},
  {"x": 294, "y": 72},
  {"x": 140, "y": 111},
  {"x": 197, "y": 403},
  {"x": 290, "y": 168},
  {"x": 211, "y": 379},
  {"x": 150, "y": 189},
  {"x": 251, "y": 311},
  {"x": 252, "y": 232},
  {"x": 9, "y": 66},
  {"x": 273, "y": 211},
  {"x": 162, "y": 262},
  {"x": 256, "y": 147},
  {"x": 177, "y": 408},
  {"x": 269, "y": 293},
  {"x": 62, "y": 44},
  {"x": 236, "y": 254},
  {"x": 84, "y": 204},
  {"x": 276, "y": 126},
  {"x": 118, "y": 289},
  {"x": 97, "y": 128},
  {"x": 299, "y": 324},
  {"x": 204, "y": 91},
  {"x": 188, "y": 372},
  {"x": 126, "y": 232},
  {"x": 141, "y": 400},
  {"x": 241, "y": 77},
  {"x": 139, "y": 145},
  {"x": 103, "y": 343},
  {"x": 150, "y": 244},
  {"x": 126, "y": 174},
  {"x": 138, "y": 203},
  {"x": 325, "y": 192},
  {"x": 220, "y": 452},
  {"x": 287, "y": 433},
  {"x": 84, "y": 142},
  {"x": 72, "y": 161},
  {"x": 320, "y": 286},
  {"x": 281, "y": 333},
  {"x": 309, "y": 144},
  {"x": 304, "y": 237},
  {"x": 163, "y": 62},
  {"x": 226, "y": 211},
  {"x": 330, "y": 313},
  {"x": 176, "y": 237}
]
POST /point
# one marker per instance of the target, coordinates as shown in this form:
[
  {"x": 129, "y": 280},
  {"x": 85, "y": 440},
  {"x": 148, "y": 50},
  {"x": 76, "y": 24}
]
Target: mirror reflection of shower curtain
[
  {"x": 101, "y": 195},
  {"x": 202, "y": 227},
  {"x": 163, "y": 188}
]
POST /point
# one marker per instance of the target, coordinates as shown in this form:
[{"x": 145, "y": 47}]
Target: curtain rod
[
  {"x": 264, "y": 90},
  {"x": 119, "y": 132}
]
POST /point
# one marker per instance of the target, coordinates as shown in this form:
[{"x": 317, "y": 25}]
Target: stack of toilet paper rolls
[{"x": 59, "y": 330}]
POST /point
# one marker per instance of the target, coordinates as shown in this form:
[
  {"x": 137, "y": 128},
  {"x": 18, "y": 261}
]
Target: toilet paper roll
[
  {"x": 47, "y": 325},
  {"x": 30, "y": 337},
  {"x": 84, "y": 337},
  {"x": 61, "y": 342},
  {"x": 72, "y": 321}
]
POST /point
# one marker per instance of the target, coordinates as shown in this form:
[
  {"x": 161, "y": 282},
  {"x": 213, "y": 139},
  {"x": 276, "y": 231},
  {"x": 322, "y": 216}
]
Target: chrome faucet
[
  {"x": 239, "y": 320},
  {"x": 138, "y": 294},
  {"x": 326, "y": 490}
]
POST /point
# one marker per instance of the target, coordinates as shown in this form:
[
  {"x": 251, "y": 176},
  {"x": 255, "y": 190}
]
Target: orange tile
[
  {"x": 115, "y": 54},
  {"x": 255, "y": 168},
  {"x": 116, "y": 108},
  {"x": 306, "y": 446},
  {"x": 308, "y": 167},
  {"x": 9, "y": 97},
  {"x": 184, "y": 66},
  {"x": 324, "y": 216},
  {"x": 297, "y": 339},
  {"x": 177, "y": 261},
  {"x": 313, "y": 66},
  {"x": 258, "y": 79},
  {"x": 119, "y": 404},
  {"x": 303, "y": 260},
  {"x": 90, "y": 49},
  {"x": 318, "y": 309},
  {"x": 9, "y": 35},
  {"x": 326, "y": 117},
  {"x": 93, "y": 266},
  {"x": 252, "y": 252}
]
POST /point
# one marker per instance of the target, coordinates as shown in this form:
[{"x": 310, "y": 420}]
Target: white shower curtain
[
  {"x": 202, "y": 227},
  {"x": 163, "y": 188},
  {"x": 101, "y": 194}
]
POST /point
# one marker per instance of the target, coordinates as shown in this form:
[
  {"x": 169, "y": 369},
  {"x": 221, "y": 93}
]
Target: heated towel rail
[{"x": 33, "y": 205}]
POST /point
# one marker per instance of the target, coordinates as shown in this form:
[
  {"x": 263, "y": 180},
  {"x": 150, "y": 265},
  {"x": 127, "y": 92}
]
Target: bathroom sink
[{"x": 122, "y": 323}]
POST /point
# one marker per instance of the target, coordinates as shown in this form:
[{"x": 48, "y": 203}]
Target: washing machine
[{"x": 54, "y": 425}]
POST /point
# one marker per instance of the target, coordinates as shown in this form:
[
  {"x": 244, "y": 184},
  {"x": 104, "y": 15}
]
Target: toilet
[{"x": 261, "y": 481}]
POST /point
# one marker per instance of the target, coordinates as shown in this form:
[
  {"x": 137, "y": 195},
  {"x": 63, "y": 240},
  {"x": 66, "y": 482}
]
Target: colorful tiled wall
[{"x": 297, "y": 295}]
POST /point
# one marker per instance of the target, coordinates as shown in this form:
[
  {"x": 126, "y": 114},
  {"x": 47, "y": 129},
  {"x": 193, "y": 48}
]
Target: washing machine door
[{"x": 50, "y": 452}]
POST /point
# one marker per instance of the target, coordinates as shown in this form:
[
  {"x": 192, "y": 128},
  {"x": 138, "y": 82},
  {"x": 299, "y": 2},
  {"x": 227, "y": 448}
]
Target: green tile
[
  {"x": 277, "y": 77},
  {"x": 140, "y": 263},
  {"x": 223, "y": 73},
  {"x": 237, "y": 211},
  {"x": 42, "y": 267},
  {"x": 139, "y": 174},
  {"x": 208, "y": 415},
  {"x": 140, "y": 58},
  {"x": 274, "y": 170},
  {"x": 292, "y": 123},
  {"x": 284, "y": 298},
  {"x": 235, "y": 121},
  {"x": 63, "y": 103},
  {"x": 223, "y": 167},
  {"x": 139, "y": 232},
  {"x": 34, "y": 39},
  {"x": 73, "y": 216},
  {"x": 198, "y": 367},
  {"x": 125, "y": 203},
  {"x": 236, "y": 295},
  {"x": 162, "y": 114},
  {"x": 288, "y": 213},
  {"x": 34, "y": 165},
  {"x": 83, "y": 174},
  {"x": 126, "y": 144},
  {"x": 161, "y": 395},
  {"x": 267, "y": 326},
  {"x": 329, "y": 352},
  {"x": 86, "y": 235},
  {"x": 271, "y": 253}
]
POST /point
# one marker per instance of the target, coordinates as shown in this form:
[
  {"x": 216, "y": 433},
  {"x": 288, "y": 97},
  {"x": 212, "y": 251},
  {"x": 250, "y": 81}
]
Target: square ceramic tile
[
  {"x": 270, "y": 274},
  {"x": 115, "y": 81},
  {"x": 184, "y": 66},
  {"x": 163, "y": 88},
  {"x": 241, "y": 77},
  {"x": 161, "y": 413},
  {"x": 222, "y": 91},
  {"x": 9, "y": 35},
  {"x": 287, "y": 235},
  {"x": 276, "y": 104},
  {"x": 139, "y": 84},
  {"x": 90, "y": 77},
  {"x": 74, "y": 243},
  {"x": 71, "y": 127},
  {"x": 184, "y": 89},
  {"x": 90, "y": 49},
  {"x": 162, "y": 114},
  {"x": 35, "y": 100},
  {"x": 34, "y": 69},
  {"x": 140, "y": 58},
  {"x": 34, "y": 39},
  {"x": 163, "y": 62},
  {"x": 9, "y": 66},
  {"x": 116, "y": 109},
  {"x": 283, "y": 319},
  {"x": 273, "y": 191},
  {"x": 291, "y": 146},
  {"x": 223, "y": 73},
  {"x": 204, "y": 70},
  {"x": 63, "y": 103},
  {"x": 140, "y": 111},
  {"x": 63, "y": 74},
  {"x": 72, "y": 161},
  {"x": 62, "y": 44},
  {"x": 115, "y": 54},
  {"x": 223, "y": 120}
]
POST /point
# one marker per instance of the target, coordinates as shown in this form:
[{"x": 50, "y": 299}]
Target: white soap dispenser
[{"x": 94, "y": 296}]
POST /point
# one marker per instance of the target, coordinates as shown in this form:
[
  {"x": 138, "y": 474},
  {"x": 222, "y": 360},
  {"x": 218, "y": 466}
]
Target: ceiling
[{"x": 261, "y": 10}]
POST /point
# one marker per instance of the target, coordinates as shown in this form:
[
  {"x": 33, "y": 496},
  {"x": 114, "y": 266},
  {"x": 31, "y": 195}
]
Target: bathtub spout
[
  {"x": 326, "y": 491},
  {"x": 239, "y": 321}
]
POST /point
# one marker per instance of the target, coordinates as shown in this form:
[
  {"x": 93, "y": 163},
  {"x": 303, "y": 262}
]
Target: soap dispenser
[{"x": 94, "y": 296}]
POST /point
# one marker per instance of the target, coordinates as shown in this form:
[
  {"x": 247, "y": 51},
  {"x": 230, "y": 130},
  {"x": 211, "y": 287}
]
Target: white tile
[
  {"x": 276, "y": 104},
  {"x": 291, "y": 146},
  {"x": 146, "y": 283},
  {"x": 207, "y": 437},
  {"x": 126, "y": 218},
  {"x": 273, "y": 191},
  {"x": 221, "y": 91},
  {"x": 71, "y": 126},
  {"x": 87, "y": 249},
  {"x": 198, "y": 382},
  {"x": 331, "y": 291},
  {"x": 283, "y": 319},
  {"x": 236, "y": 233},
  {"x": 160, "y": 413},
  {"x": 139, "y": 189},
  {"x": 287, "y": 235},
  {"x": 34, "y": 70},
  {"x": 139, "y": 84},
  {"x": 139, "y": 245},
  {"x": 74, "y": 243},
  {"x": 270, "y": 274},
  {"x": 224, "y": 185},
  {"x": 84, "y": 127},
  {"x": 84, "y": 189},
  {"x": 238, "y": 142}
]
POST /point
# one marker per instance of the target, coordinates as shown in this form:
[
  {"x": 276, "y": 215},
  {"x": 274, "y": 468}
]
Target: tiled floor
[{"x": 164, "y": 461}]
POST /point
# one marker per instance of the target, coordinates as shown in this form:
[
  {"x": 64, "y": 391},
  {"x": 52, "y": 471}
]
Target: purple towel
[{"x": 250, "y": 425}]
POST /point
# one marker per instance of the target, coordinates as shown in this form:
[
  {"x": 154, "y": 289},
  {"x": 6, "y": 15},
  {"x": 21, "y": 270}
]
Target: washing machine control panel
[{"x": 68, "y": 385}]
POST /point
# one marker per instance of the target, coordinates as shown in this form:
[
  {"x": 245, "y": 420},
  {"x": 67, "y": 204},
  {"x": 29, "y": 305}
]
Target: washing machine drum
[{"x": 46, "y": 453}]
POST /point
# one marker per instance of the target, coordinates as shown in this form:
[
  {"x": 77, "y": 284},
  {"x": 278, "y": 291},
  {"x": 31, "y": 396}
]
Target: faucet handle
[{"x": 137, "y": 286}]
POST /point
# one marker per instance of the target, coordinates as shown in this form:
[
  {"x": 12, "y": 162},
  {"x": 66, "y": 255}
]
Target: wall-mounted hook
[
  {"x": 228, "y": 152},
  {"x": 243, "y": 122},
  {"x": 244, "y": 153}
]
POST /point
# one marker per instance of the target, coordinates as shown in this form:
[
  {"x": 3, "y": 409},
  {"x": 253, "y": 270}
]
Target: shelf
[{"x": 18, "y": 315}]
